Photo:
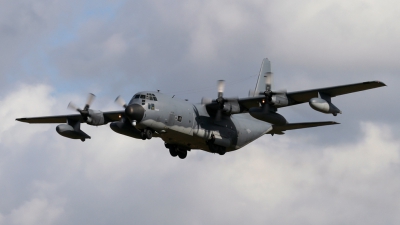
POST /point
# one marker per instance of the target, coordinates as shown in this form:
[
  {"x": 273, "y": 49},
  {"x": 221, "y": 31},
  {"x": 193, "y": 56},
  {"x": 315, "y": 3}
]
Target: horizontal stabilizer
[{"x": 278, "y": 129}]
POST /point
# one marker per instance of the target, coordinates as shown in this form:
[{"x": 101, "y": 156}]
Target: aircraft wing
[
  {"x": 278, "y": 129},
  {"x": 109, "y": 117},
  {"x": 304, "y": 96},
  {"x": 299, "y": 97}
]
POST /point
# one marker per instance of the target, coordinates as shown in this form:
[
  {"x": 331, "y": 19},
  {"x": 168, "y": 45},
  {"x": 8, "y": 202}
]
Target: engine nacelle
[
  {"x": 280, "y": 100},
  {"x": 267, "y": 116},
  {"x": 231, "y": 107},
  {"x": 96, "y": 118},
  {"x": 324, "y": 106},
  {"x": 69, "y": 132},
  {"x": 126, "y": 129}
]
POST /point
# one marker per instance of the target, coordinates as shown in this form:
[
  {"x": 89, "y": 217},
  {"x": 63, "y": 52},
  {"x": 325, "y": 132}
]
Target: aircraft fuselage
[{"x": 190, "y": 126}]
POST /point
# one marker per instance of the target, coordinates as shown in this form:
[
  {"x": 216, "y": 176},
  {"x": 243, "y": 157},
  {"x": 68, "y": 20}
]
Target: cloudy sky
[{"x": 55, "y": 51}]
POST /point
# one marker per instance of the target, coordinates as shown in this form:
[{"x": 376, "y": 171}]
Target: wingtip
[
  {"x": 378, "y": 82},
  {"x": 21, "y": 119}
]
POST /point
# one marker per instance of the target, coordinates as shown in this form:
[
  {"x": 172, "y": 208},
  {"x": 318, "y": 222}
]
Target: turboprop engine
[{"x": 324, "y": 106}]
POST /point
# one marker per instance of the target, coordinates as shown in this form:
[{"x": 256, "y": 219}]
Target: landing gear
[
  {"x": 146, "y": 134},
  {"x": 221, "y": 151},
  {"x": 182, "y": 154},
  {"x": 173, "y": 152},
  {"x": 176, "y": 151},
  {"x": 217, "y": 149}
]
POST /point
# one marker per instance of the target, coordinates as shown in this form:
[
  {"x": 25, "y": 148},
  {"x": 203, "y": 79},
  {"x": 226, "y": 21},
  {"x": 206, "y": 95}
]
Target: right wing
[{"x": 108, "y": 116}]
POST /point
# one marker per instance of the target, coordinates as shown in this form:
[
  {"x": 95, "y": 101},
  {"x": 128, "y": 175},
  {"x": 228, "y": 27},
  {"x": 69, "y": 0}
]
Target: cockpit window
[
  {"x": 142, "y": 96},
  {"x": 137, "y": 96}
]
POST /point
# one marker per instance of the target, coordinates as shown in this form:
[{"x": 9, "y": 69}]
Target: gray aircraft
[{"x": 217, "y": 126}]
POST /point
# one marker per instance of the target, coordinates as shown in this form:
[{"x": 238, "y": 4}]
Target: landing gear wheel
[
  {"x": 143, "y": 135},
  {"x": 83, "y": 139},
  {"x": 173, "y": 152},
  {"x": 212, "y": 148},
  {"x": 148, "y": 134},
  {"x": 182, "y": 154},
  {"x": 221, "y": 150}
]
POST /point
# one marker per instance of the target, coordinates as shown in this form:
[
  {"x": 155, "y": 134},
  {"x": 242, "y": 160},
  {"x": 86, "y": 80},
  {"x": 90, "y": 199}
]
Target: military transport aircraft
[{"x": 218, "y": 126}]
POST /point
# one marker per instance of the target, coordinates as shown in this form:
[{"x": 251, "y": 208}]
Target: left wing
[
  {"x": 299, "y": 97},
  {"x": 108, "y": 116}
]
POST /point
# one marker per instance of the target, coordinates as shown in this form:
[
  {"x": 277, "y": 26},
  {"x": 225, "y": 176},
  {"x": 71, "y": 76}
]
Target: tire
[
  {"x": 221, "y": 150},
  {"x": 182, "y": 154},
  {"x": 173, "y": 152},
  {"x": 148, "y": 134},
  {"x": 143, "y": 135}
]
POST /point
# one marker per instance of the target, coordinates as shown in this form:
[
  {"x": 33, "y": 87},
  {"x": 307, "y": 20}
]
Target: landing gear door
[{"x": 171, "y": 119}]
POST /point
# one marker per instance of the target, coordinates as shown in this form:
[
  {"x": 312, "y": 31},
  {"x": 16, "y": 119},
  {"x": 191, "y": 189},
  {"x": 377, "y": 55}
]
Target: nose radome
[{"x": 134, "y": 112}]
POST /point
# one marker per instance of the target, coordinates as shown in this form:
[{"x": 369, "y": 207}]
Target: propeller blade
[
  {"x": 268, "y": 81},
  {"x": 218, "y": 115},
  {"x": 206, "y": 100},
  {"x": 73, "y": 107},
  {"x": 252, "y": 93},
  {"x": 221, "y": 87},
  {"x": 120, "y": 101},
  {"x": 89, "y": 100}
]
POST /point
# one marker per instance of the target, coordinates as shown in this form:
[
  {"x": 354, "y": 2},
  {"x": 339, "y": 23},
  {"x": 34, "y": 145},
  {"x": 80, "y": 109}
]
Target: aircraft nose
[{"x": 134, "y": 112}]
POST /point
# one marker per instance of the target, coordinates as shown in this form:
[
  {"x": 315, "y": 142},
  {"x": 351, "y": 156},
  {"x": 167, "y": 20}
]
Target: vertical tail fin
[{"x": 261, "y": 86}]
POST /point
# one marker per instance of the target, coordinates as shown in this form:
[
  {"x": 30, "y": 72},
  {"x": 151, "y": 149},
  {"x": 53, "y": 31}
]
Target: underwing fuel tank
[
  {"x": 324, "y": 106},
  {"x": 267, "y": 116},
  {"x": 69, "y": 132}
]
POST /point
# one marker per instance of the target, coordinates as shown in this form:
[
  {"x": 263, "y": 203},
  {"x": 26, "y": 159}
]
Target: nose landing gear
[{"x": 147, "y": 134}]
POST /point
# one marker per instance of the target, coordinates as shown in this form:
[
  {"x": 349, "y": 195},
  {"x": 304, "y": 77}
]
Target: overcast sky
[{"x": 55, "y": 51}]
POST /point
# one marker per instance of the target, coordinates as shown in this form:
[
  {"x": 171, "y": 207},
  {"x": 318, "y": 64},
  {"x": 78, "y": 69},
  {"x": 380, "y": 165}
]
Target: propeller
[
  {"x": 220, "y": 100},
  {"x": 133, "y": 112},
  {"x": 120, "y": 101},
  {"x": 206, "y": 100},
  {"x": 85, "y": 111},
  {"x": 268, "y": 88},
  {"x": 268, "y": 82}
]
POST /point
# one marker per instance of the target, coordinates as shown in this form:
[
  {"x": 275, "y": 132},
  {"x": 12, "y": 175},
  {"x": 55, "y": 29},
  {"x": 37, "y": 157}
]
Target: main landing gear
[
  {"x": 216, "y": 148},
  {"x": 176, "y": 151},
  {"x": 146, "y": 134}
]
